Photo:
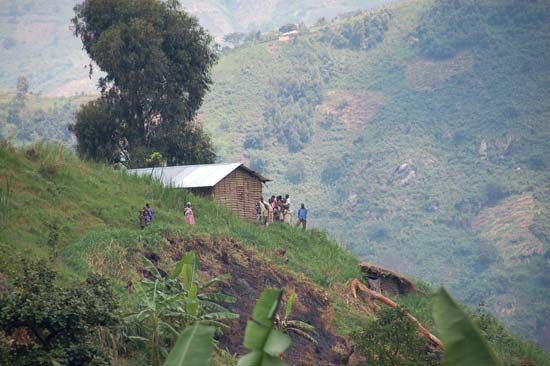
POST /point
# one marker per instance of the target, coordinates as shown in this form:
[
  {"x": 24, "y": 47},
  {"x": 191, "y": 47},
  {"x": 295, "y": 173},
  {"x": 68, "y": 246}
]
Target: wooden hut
[{"x": 234, "y": 186}]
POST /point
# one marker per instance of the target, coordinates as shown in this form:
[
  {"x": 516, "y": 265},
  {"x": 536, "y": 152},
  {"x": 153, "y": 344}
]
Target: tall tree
[{"x": 157, "y": 61}]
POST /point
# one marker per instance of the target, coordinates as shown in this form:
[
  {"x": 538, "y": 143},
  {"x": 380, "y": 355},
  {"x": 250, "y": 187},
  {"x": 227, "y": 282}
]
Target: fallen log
[{"x": 356, "y": 286}]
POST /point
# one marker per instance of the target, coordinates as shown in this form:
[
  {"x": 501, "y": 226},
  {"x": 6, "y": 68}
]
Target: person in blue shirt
[{"x": 302, "y": 216}]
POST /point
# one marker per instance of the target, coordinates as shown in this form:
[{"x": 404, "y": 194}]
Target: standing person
[
  {"x": 287, "y": 214},
  {"x": 261, "y": 207},
  {"x": 302, "y": 216},
  {"x": 270, "y": 206},
  {"x": 259, "y": 210},
  {"x": 189, "y": 215},
  {"x": 146, "y": 216}
]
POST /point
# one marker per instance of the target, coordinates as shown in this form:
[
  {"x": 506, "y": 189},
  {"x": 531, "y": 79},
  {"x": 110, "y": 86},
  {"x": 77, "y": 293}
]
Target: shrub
[
  {"x": 393, "y": 340},
  {"x": 45, "y": 322}
]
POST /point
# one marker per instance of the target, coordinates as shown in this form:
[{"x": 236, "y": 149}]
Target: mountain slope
[
  {"x": 417, "y": 135},
  {"x": 83, "y": 217},
  {"x": 36, "y": 40}
]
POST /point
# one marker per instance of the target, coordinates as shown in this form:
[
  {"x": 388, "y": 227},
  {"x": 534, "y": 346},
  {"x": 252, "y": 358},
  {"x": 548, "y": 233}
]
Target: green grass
[
  {"x": 89, "y": 204},
  {"x": 93, "y": 209}
]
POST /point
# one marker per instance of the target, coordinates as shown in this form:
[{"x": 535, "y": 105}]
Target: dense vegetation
[
  {"x": 157, "y": 60},
  {"x": 426, "y": 151},
  {"x": 84, "y": 220},
  {"x": 42, "y": 321}
]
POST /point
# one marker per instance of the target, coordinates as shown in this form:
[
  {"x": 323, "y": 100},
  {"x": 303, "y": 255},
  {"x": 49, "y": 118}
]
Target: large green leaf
[
  {"x": 186, "y": 267},
  {"x": 277, "y": 342},
  {"x": 260, "y": 359},
  {"x": 192, "y": 306},
  {"x": 266, "y": 307},
  {"x": 189, "y": 268},
  {"x": 464, "y": 343},
  {"x": 265, "y": 342},
  {"x": 193, "y": 347}
]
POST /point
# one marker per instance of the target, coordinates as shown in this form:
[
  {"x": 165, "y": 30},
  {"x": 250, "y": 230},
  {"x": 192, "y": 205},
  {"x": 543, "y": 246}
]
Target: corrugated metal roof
[{"x": 194, "y": 176}]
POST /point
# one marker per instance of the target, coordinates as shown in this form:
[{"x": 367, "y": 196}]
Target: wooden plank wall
[{"x": 239, "y": 191}]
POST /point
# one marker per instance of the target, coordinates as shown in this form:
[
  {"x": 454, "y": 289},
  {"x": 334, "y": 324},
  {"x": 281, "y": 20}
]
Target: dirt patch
[
  {"x": 427, "y": 74},
  {"x": 250, "y": 276},
  {"x": 354, "y": 110},
  {"x": 507, "y": 226}
]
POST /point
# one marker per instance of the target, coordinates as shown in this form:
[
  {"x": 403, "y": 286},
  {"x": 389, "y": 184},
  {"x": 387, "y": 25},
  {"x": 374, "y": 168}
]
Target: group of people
[
  {"x": 146, "y": 215},
  {"x": 277, "y": 208}
]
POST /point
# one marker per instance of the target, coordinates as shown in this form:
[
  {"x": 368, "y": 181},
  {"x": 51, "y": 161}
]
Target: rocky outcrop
[{"x": 385, "y": 281}]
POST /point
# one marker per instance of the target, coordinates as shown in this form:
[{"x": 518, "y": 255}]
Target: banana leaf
[
  {"x": 193, "y": 347},
  {"x": 464, "y": 343},
  {"x": 265, "y": 342}
]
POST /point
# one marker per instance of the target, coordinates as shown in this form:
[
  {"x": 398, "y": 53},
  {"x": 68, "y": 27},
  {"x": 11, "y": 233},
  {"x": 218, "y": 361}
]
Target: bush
[
  {"x": 43, "y": 321},
  {"x": 392, "y": 340}
]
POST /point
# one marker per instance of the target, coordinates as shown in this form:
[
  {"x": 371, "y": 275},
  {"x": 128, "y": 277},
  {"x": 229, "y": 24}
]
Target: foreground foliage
[
  {"x": 393, "y": 340},
  {"x": 167, "y": 305},
  {"x": 42, "y": 322},
  {"x": 464, "y": 343},
  {"x": 193, "y": 347}
]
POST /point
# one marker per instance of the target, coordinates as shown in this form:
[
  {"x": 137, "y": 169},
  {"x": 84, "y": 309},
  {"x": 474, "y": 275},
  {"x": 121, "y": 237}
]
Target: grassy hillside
[
  {"x": 83, "y": 217},
  {"x": 417, "y": 135}
]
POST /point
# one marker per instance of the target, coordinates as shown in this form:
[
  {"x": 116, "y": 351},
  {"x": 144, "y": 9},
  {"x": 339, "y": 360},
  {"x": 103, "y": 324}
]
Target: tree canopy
[{"x": 157, "y": 61}]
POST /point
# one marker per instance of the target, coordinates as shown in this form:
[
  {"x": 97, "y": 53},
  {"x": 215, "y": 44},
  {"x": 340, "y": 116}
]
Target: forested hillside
[
  {"x": 36, "y": 39},
  {"x": 418, "y": 135}
]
